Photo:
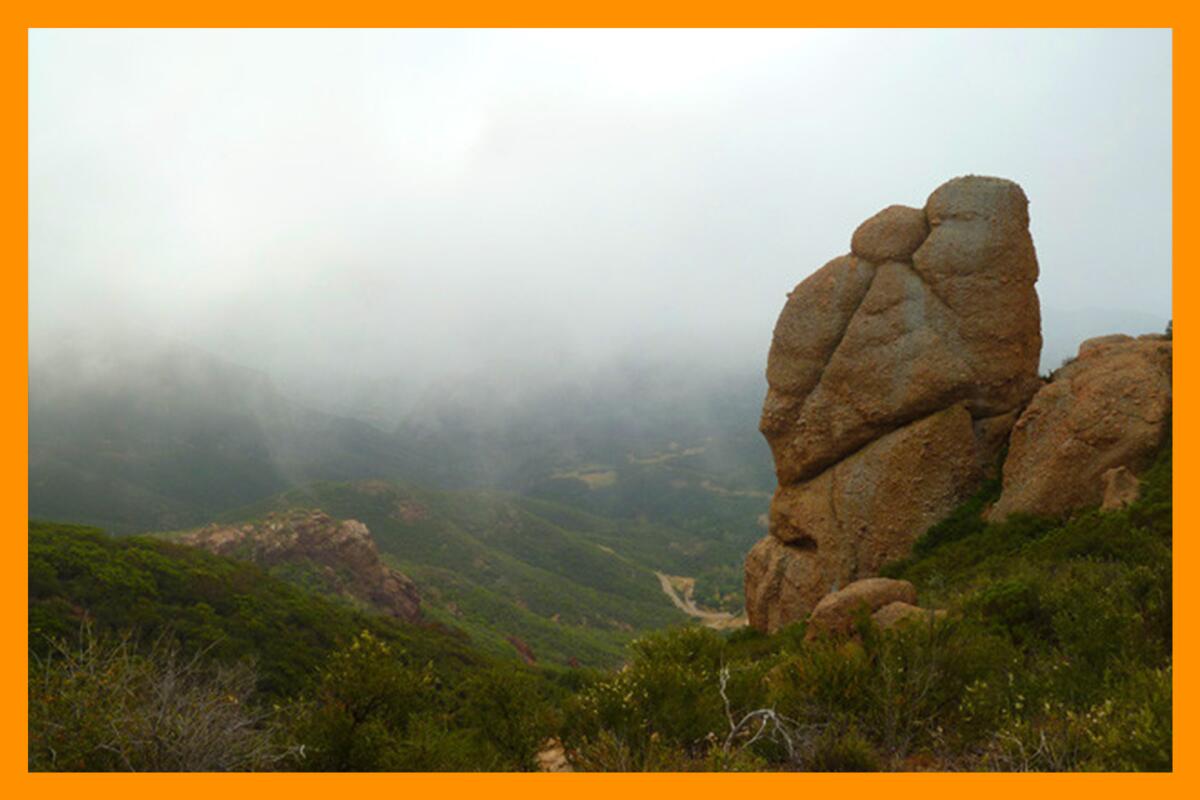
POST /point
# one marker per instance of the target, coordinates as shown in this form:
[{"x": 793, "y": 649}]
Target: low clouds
[{"x": 364, "y": 203}]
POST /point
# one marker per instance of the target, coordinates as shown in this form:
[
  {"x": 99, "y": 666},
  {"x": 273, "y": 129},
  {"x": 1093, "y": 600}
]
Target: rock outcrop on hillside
[
  {"x": 340, "y": 554},
  {"x": 1091, "y": 430},
  {"x": 895, "y": 374}
]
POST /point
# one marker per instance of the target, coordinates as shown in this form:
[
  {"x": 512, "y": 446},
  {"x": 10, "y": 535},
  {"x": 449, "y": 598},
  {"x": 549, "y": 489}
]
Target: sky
[{"x": 334, "y": 207}]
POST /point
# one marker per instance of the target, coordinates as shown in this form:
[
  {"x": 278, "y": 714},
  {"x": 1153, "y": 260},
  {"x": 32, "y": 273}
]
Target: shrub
[
  {"x": 842, "y": 750},
  {"x": 505, "y": 708},
  {"x": 358, "y": 713},
  {"x": 100, "y": 705}
]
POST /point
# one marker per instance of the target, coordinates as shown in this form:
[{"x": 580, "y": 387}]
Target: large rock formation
[
  {"x": 895, "y": 374},
  {"x": 339, "y": 554},
  {"x": 1088, "y": 432}
]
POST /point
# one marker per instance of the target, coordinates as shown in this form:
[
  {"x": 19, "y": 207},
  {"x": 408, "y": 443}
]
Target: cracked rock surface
[
  {"x": 894, "y": 376},
  {"x": 1108, "y": 411}
]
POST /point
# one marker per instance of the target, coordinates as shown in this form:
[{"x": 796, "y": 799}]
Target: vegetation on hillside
[
  {"x": 1055, "y": 655},
  {"x": 575, "y": 588},
  {"x": 145, "y": 655}
]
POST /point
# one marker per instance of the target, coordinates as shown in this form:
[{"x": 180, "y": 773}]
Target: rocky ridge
[{"x": 340, "y": 553}]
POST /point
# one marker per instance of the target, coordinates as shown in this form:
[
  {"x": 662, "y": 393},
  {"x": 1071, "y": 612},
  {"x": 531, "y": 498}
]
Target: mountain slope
[
  {"x": 168, "y": 436},
  {"x": 231, "y": 608},
  {"x": 500, "y": 566}
]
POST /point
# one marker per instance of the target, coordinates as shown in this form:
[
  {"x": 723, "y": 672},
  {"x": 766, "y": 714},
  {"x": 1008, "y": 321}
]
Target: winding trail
[{"x": 720, "y": 620}]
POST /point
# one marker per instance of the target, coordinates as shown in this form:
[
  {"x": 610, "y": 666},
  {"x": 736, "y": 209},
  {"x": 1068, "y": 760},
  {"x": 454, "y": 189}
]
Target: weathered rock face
[
  {"x": 340, "y": 552},
  {"x": 1108, "y": 409},
  {"x": 863, "y": 511},
  {"x": 783, "y": 582},
  {"x": 895, "y": 374}
]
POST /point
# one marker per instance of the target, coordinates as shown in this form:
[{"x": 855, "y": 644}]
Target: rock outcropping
[
  {"x": 1090, "y": 430},
  {"x": 895, "y": 374},
  {"x": 340, "y": 554}
]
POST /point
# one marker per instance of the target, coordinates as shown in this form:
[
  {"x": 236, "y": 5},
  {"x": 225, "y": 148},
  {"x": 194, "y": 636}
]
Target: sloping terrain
[
  {"x": 498, "y": 565},
  {"x": 232, "y": 609}
]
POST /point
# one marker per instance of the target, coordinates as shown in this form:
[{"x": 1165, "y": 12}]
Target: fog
[{"x": 351, "y": 209}]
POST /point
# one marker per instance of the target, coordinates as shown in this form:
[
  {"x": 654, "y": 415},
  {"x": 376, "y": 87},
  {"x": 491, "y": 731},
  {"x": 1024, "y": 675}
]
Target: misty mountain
[
  {"x": 133, "y": 435},
  {"x": 165, "y": 435},
  {"x": 513, "y": 432}
]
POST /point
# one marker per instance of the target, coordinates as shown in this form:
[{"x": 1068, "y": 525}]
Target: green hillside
[
  {"x": 1055, "y": 654},
  {"x": 571, "y": 586},
  {"x": 150, "y": 656},
  {"x": 232, "y": 609}
]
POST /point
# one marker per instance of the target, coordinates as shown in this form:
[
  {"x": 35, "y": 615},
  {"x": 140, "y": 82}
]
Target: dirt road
[{"x": 673, "y": 585}]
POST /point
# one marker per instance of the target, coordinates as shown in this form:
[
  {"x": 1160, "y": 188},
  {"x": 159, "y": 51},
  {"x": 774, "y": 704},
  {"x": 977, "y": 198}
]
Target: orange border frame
[{"x": 540, "y": 13}]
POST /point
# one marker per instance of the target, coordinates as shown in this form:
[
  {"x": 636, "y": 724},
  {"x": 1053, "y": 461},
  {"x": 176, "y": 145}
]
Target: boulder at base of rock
[
  {"x": 901, "y": 613},
  {"x": 1109, "y": 408},
  {"x": 836, "y": 612},
  {"x": 783, "y": 583},
  {"x": 1120, "y": 489}
]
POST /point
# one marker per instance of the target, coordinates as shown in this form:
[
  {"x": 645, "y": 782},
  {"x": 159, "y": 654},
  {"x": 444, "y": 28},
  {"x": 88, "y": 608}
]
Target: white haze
[{"x": 341, "y": 208}]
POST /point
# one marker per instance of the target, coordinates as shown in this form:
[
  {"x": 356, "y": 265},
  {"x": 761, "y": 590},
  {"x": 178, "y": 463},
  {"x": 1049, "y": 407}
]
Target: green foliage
[
  {"x": 509, "y": 709},
  {"x": 572, "y": 586},
  {"x": 837, "y": 750},
  {"x": 360, "y": 708},
  {"x": 374, "y": 709},
  {"x": 102, "y": 704},
  {"x": 230, "y": 609},
  {"x": 1055, "y": 654}
]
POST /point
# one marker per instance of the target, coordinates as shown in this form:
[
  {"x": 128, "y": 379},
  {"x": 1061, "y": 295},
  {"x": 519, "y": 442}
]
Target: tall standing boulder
[{"x": 894, "y": 375}]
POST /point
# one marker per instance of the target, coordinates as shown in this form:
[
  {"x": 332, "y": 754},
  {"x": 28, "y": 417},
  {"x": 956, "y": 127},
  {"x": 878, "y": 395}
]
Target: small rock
[
  {"x": 836, "y": 612},
  {"x": 1120, "y": 488},
  {"x": 899, "y": 613}
]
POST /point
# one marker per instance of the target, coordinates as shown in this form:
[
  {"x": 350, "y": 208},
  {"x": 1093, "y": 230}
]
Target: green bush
[
  {"x": 359, "y": 711},
  {"x": 842, "y": 750},
  {"x": 104, "y": 704}
]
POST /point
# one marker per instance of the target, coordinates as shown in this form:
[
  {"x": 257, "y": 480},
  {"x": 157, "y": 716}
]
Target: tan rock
[
  {"x": 808, "y": 330},
  {"x": 1120, "y": 488},
  {"x": 900, "y": 613},
  {"x": 1102, "y": 342},
  {"x": 782, "y": 583},
  {"x": 869, "y": 508},
  {"x": 342, "y": 551},
  {"x": 837, "y": 612},
  {"x": 979, "y": 260},
  {"x": 894, "y": 376},
  {"x": 959, "y": 324},
  {"x": 898, "y": 360},
  {"x": 893, "y": 234},
  {"x": 1108, "y": 408},
  {"x": 991, "y": 437}
]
